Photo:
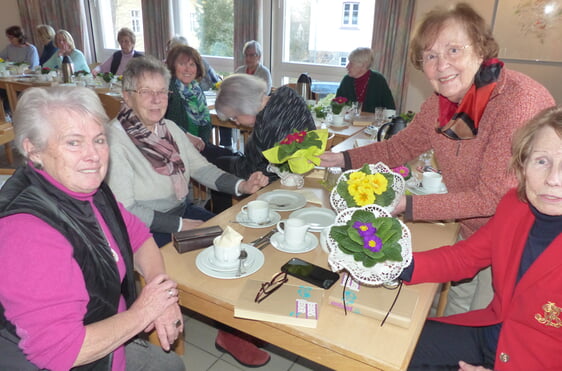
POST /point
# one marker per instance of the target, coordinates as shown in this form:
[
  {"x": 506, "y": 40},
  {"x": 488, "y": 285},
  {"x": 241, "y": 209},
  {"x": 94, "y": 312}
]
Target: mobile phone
[{"x": 310, "y": 273}]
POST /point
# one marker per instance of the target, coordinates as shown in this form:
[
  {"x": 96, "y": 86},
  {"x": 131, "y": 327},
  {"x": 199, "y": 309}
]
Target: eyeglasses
[
  {"x": 268, "y": 288},
  {"x": 252, "y": 55},
  {"x": 453, "y": 52},
  {"x": 147, "y": 93}
]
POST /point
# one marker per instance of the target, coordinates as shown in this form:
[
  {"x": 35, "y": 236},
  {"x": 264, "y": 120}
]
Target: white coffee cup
[
  {"x": 256, "y": 211},
  {"x": 225, "y": 255},
  {"x": 432, "y": 181},
  {"x": 294, "y": 232},
  {"x": 389, "y": 113}
]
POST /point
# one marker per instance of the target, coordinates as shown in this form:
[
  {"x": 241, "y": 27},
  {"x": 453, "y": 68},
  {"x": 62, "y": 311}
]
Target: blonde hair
[
  {"x": 67, "y": 36},
  {"x": 45, "y": 32}
]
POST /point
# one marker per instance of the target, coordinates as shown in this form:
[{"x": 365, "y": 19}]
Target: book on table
[
  {"x": 375, "y": 301},
  {"x": 296, "y": 305}
]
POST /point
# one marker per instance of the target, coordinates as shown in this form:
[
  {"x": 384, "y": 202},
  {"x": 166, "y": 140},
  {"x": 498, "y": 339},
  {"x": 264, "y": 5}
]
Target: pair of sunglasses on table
[{"x": 269, "y": 287}]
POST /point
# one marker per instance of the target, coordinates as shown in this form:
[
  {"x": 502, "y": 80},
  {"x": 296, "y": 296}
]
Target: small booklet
[{"x": 296, "y": 305}]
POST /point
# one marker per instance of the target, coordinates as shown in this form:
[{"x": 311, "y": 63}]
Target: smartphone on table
[{"x": 310, "y": 273}]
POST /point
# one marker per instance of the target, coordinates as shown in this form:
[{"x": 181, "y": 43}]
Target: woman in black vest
[
  {"x": 118, "y": 61},
  {"x": 69, "y": 250}
]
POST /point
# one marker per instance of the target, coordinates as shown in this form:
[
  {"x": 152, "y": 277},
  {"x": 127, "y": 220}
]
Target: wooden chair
[
  {"x": 112, "y": 104},
  {"x": 14, "y": 90},
  {"x": 6, "y": 136}
]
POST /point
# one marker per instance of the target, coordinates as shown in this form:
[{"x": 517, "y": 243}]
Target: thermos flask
[{"x": 67, "y": 69}]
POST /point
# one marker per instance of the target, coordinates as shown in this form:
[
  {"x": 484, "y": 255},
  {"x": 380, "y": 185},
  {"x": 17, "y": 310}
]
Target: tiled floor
[
  {"x": 201, "y": 354},
  {"x": 200, "y": 332}
]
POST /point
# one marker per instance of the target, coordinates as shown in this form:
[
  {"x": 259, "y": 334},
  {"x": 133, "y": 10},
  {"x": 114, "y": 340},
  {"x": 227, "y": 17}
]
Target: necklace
[{"x": 362, "y": 83}]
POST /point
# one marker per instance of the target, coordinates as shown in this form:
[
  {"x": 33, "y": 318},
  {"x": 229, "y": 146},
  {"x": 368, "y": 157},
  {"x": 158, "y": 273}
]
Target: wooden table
[{"x": 352, "y": 342}]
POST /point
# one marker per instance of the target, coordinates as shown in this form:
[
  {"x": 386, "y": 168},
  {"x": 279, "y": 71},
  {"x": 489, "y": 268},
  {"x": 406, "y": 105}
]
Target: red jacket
[{"x": 531, "y": 334}]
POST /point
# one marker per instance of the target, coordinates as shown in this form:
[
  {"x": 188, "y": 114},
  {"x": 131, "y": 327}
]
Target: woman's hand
[
  {"x": 463, "y": 366},
  {"x": 332, "y": 159},
  {"x": 256, "y": 181},
  {"x": 157, "y": 304},
  {"x": 197, "y": 142},
  {"x": 401, "y": 207},
  {"x": 191, "y": 224}
]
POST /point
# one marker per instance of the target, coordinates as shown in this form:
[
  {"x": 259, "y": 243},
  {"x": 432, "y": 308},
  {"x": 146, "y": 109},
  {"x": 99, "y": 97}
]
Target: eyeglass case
[{"x": 194, "y": 239}]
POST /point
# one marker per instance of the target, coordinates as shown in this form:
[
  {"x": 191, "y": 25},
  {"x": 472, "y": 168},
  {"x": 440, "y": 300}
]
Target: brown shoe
[{"x": 244, "y": 351}]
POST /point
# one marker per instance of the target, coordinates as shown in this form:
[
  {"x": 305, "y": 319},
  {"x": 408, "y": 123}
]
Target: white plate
[
  {"x": 242, "y": 218},
  {"x": 317, "y": 217},
  {"x": 309, "y": 244},
  {"x": 412, "y": 186},
  {"x": 281, "y": 200},
  {"x": 254, "y": 262}
]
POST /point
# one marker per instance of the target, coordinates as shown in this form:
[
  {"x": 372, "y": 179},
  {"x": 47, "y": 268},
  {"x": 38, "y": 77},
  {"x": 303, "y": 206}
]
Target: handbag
[{"x": 194, "y": 239}]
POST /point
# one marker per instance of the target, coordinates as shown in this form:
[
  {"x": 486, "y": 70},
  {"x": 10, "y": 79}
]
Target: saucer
[
  {"x": 253, "y": 263},
  {"x": 213, "y": 263},
  {"x": 309, "y": 244},
  {"x": 242, "y": 218},
  {"x": 317, "y": 217},
  {"x": 419, "y": 190},
  {"x": 282, "y": 200}
]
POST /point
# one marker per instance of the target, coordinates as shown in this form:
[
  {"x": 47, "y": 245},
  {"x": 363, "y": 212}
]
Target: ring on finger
[
  {"x": 170, "y": 293},
  {"x": 177, "y": 323}
]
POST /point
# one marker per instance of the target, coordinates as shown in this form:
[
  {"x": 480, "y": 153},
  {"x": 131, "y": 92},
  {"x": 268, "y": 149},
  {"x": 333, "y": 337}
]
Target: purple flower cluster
[{"x": 368, "y": 232}]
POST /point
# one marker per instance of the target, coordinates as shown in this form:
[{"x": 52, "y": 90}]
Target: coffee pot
[
  {"x": 390, "y": 128},
  {"x": 303, "y": 86},
  {"x": 67, "y": 69}
]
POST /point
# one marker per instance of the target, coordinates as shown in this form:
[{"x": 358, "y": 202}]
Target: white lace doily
[
  {"x": 288, "y": 179},
  {"x": 340, "y": 204},
  {"x": 381, "y": 272}
]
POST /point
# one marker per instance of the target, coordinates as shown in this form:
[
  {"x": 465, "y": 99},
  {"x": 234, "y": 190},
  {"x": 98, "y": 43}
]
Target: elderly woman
[
  {"x": 65, "y": 43},
  {"x": 46, "y": 35},
  {"x": 520, "y": 329},
  {"x": 253, "y": 66},
  {"x": 18, "y": 50},
  {"x": 243, "y": 99},
  {"x": 152, "y": 163},
  {"x": 457, "y": 53},
  {"x": 118, "y": 61},
  {"x": 361, "y": 84},
  {"x": 68, "y": 296}
]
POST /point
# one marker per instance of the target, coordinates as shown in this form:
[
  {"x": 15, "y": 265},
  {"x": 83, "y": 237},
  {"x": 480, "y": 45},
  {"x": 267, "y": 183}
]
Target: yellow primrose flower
[
  {"x": 1, "y": 60},
  {"x": 357, "y": 176},
  {"x": 364, "y": 196},
  {"x": 378, "y": 182}
]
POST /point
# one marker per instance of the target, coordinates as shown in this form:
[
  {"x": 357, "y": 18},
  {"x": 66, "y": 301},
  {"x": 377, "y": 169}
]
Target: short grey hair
[
  {"x": 126, "y": 32},
  {"x": 363, "y": 56},
  {"x": 175, "y": 41},
  {"x": 253, "y": 44},
  {"x": 137, "y": 67},
  {"x": 39, "y": 108},
  {"x": 240, "y": 93}
]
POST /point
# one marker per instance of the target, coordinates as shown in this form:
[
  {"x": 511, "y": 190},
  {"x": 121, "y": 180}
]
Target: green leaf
[
  {"x": 365, "y": 169},
  {"x": 369, "y": 262},
  {"x": 393, "y": 252},
  {"x": 344, "y": 193},
  {"x": 374, "y": 255},
  {"x": 389, "y": 229}
]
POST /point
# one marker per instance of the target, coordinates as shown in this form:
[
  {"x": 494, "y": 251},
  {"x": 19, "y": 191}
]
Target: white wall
[{"x": 550, "y": 75}]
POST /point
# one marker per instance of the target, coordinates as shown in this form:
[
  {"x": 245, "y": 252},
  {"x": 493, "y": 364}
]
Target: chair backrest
[{"x": 112, "y": 104}]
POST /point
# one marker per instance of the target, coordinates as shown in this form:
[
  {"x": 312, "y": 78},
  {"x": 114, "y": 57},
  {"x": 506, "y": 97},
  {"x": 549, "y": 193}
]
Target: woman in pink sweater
[{"x": 468, "y": 122}]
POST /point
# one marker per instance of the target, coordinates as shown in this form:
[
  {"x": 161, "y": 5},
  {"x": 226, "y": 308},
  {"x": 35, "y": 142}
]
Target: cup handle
[
  {"x": 281, "y": 230},
  {"x": 244, "y": 209}
]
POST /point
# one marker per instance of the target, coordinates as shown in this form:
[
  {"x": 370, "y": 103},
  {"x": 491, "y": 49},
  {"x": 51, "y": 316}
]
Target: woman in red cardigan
[{"x": 521, "y": 328}]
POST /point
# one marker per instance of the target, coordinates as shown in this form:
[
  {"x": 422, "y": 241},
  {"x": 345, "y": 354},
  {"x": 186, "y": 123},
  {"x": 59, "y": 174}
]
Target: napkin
[
  {"x": 311, "y": 197},
  {"x": 228, "y": 238}
]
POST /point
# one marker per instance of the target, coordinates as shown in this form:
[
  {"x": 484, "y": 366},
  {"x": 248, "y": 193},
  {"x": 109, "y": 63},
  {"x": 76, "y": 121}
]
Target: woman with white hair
[
  {"x": 253, "y": 66},
  {"x": 65, "y": 43},
  {"x": 118, "y": 61},
  {"x": 364, "y": 85},
  {"x": 69, "y": 250}
]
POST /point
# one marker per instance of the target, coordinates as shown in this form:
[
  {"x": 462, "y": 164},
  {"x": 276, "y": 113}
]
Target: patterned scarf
[
  {"x": 160, "y": 150},
  {"x": 194, "y": 103},
  {"x": 460, "y": 121}
]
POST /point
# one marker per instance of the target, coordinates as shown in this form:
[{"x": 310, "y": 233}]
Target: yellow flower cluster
[
  {"x": 1, "y": 60},
  {"x": 364, "y": 187}
]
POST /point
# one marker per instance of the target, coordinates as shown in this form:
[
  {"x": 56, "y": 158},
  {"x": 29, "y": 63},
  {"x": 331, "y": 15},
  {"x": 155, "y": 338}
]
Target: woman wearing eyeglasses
[
  {"x": 152, "y": 160},
  {"x": 252, "y": 63},
  {"x": 468, "y": 122}
]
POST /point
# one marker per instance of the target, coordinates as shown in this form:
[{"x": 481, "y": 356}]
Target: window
[
  {"x": 350, "y": 14},
  {"x": 307, "y": 36},
  {"x": 136, "y": 21},
  {"x": 208, "y": 26},
  {"x": 108, "y": 17}
]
